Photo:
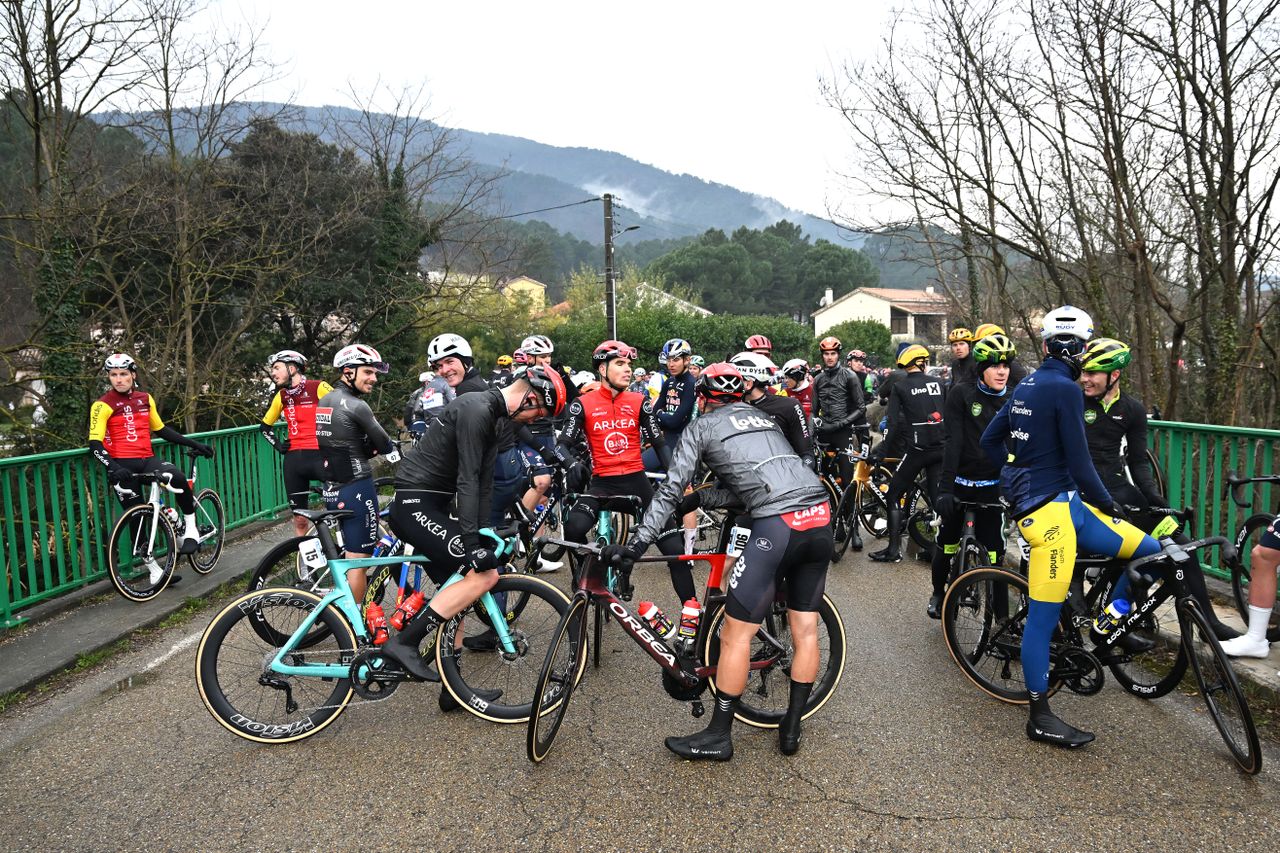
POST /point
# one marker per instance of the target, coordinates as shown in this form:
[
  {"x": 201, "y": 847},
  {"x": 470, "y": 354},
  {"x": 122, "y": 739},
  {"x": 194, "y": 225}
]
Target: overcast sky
[{"x": 724, "y": 91}]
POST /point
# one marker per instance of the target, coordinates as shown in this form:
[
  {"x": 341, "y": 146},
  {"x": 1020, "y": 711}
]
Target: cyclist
[
  {"x": 450, "y": 357},
  {"x": 790, "y": 545},
  {"x": 787, "y": 412},
  {"x": 696, "y": 365},
  {"x": 838, "y": 405},
  {"x": 916, "y": 433},
  {"x": 856, "y": 361},
  {"x": 639, "y": 382},
  {"x": 120, "y": 425},
  {"x": 967, "y": 474},
  {"x": 1039, "y": 439},
  {"x": 296, "y": 398},
  {"x": 1017, "y": 372},
  {"x": 760, "y": 345},
  {"x": 964, "y": 371},
  {"x": 674, "y": 410},
  {"x": 454, "y": 462},
  {"x": 616, "y": 423},
  {"x": 537, "y": 440},
  {"x": 1115, "y": 425},
  {"x": 795, "y": 374},
  {"x": 501, "y": 373},
  {"x": 1265, "y": 561},
  {"x": 426, "y": 403},
  {"x": 349, "y": 435}
]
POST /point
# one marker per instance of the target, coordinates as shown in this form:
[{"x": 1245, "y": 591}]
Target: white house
[{"x": 916, "y": 315}]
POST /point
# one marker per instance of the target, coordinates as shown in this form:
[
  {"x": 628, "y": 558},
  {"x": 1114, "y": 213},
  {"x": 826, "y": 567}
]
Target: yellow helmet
[
  {"x": 504, "y": 361},
  {"x": 912, "y": 353},
  {"x": 960, "y": 335},
  {"x": 986, "y": 330}
]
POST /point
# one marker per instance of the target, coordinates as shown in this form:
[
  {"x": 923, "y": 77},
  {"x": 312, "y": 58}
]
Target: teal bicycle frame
[{"x": 345, "y": 602}]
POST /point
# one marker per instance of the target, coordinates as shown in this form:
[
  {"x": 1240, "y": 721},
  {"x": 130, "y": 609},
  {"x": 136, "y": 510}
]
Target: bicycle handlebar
[
  {"x": 1235, "y": 484},
  {"x": 1179, "y": 553}
]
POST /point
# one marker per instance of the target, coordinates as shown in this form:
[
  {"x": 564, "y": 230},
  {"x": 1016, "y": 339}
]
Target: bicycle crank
[
  {"x": 373, "y": 677},
  {"x": 1081, "y": 671}
]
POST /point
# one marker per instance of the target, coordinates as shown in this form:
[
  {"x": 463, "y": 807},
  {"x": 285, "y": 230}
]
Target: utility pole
[{"x": 610, "y": 303}]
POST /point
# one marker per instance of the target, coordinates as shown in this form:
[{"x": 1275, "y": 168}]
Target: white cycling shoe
[
  {"x": 156, "y": 570},
  {"x": 1245, "y": 646}
]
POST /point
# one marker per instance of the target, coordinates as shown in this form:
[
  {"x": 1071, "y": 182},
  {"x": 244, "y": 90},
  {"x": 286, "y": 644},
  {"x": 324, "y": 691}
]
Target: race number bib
[
  {"x": 738, "y": 539},
  {"x": 312, "y": 556}
]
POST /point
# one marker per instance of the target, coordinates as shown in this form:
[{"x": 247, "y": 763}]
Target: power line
[{"x": 545, "y": 209}]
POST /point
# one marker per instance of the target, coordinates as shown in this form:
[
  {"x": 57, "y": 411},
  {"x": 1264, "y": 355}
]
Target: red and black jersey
[
  {"x": 124, "y": 422},
  {"x": 616, "y": 429},
  {"x": 298, "y": 405}
]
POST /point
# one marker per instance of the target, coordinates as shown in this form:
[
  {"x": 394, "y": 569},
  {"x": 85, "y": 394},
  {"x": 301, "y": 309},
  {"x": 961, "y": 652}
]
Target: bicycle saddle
[{"x": 315, "y": 515}]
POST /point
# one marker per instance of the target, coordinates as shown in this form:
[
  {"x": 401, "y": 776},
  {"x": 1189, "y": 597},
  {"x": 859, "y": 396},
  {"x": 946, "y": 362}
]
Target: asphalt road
[{"x": 907, "y": 755}]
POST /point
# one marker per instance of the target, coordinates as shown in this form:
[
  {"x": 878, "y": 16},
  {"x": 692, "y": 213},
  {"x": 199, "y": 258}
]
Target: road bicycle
[
  {"x": 970, "y": 552},
  {"x": 266, "y": 674},
  {"x": 984, "y": 616},
  {"x": 860, "y": 502},
  {"x": 143, "y": 549},
  {"x": 688, "y": 668},
  {"x": 1249, "y": 534}
]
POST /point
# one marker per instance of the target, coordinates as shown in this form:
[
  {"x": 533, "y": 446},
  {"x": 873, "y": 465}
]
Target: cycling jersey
[
  {"x": 674, "y": 407},
  {"x": 615, "y": 427},
  {"x": 348, "y": 434},
  {"x": 788, "y": 414},
  {"x": 123, "y": 423},
  {"x": 426, "y": 403},
  {"x": 915, "y": 414},
  {"x": 1047, "y": 454},
  {"x": 1117, "y": 436},
  {"x": 804, "y": 395},
  {"x": 298, "y": 404},
  {"x": 964, "y": 372},
  {"x": 837, "y": 399},
  {"x": 966, "y": 414}
]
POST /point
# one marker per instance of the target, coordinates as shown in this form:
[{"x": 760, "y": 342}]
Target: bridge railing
[
  {"x": 58, "y": 511},
  {"x": 1196, "y": 460}
]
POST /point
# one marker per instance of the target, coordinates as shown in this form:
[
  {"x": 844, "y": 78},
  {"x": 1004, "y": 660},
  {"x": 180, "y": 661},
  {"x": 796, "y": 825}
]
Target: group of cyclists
[{"x": 1063, "y": 447}]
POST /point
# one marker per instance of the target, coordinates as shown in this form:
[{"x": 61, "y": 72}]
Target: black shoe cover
[
  {"x": 1046, "y": 728},
  {"x": 703, "y": 746},
  {"x": 885, "y": 556},
  {"x": 1223, "y": 631},
  {"x": 935, "y": 606}
]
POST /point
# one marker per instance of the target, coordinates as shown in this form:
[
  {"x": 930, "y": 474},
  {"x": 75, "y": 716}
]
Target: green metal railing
[
  {"x": 58, "y": 511},
  {"x": 1196, "y": 460}
]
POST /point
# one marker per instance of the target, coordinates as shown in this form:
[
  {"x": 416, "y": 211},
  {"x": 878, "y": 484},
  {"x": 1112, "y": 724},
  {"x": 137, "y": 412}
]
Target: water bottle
[
  {"x": 410, "y": 606},
  {"x": 1111, "y": 617},
  {"x": 385, "y": 542},
  {"x": 689, "y": 615},
  {"x": 377, "y": 622},
  {"x": 654, "y": 617},
  {"x": 172, "y": 514}
]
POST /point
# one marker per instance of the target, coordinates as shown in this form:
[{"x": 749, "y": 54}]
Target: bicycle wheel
[
  {"x": 141, "y": 553},
  {"x": 921, "y": 520},
  {"x": 768, "y": 690},
  {"x": 1154, "y": 673},
  {"x": 1247, "y": 536},
  {"x": 282, "y": 567},
  {"x": 843, "y": 522},
  {"x": 516, "y": 675},
  {"x": 211, "y": 522},
  {"x": 873, "y": 508},
  {"x": 983, "y": 618},
  {"x": 565, "y": 659},
  {"x": 1220, "y": 689},
  {"x": 251, "y": 701}
]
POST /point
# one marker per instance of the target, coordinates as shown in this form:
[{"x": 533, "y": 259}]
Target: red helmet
[
  {"x": 721, "y": 381},
  {"x": 759, "y": 342},
  {"x": 830, "y": 342},
  {"x": 548, "y": 384},
  {"x": 520, "y": 357},
  {"x": 611, "y": 349},
  {"x": 858, "y": 354}
]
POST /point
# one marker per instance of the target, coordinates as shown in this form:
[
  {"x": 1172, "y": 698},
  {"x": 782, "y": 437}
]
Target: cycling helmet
[
  {"x": 830, "y": 342},
  {"x": 676, "y": 348},
  {"x": 1103, "y": 355},
  {"x": 582, "y": 378},
  {"x": 504, "y": 361},
  {"x": 537, "y": 345},
  {"x": 520, "y": 358},
  {"x": 288, "y": 356},
  {"x": 856, "y": 353},
  {"x": 751, "y": 365},
  {"x": 759, "y": 342},
  {"x": 357, "y": 355},
  {"x": 118, "y": 360},
  {"x": 911, "y": 354},
  {"x": 698, "y": 361},
  {"x": 640, "y": 373},
  {"x": 426, "y": 376},
  {"x": 1066, "y": 322},
  {"x": 994, "y": 349},
  {"x": 987, "y": 329},
  {"x": 611, "y": 349},
  {"x": 443, "y": 346},
  {"x": 721, "y": 381},
  {"x": 548, "y": 384},
  {"x": 796, "y": 369},
  {"x": 960, "y": 335}
]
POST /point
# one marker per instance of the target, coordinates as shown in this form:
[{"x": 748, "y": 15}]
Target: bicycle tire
[
  {"x": 843, "y": 523},
  {"x": 211, "y": 522},
  {"x": 280, "y": 567},
  {"x": 920, "y": 517},
  {"x": 983, "y": 617},
  {"x": 516, "y": 678},
  {"x": 1241, "y": 571},
  {"x": 556, "y": 682},
  {"x": 1144, "y": 674},
  {"x": 131, "y": 546},
  {"x": 764, "y": 700},
  {"x": 230, "y": 668},
  {"x": 1220, "y": 689},
  {"x": 873, "y": 507}
]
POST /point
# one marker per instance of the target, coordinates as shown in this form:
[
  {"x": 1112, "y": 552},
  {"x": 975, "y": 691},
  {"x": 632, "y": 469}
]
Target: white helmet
[
  {"x": 754, "y": 366},
  {"x": 288, "y": 356},
  {"x": 537, "y": 345},
  {"x": 426, "y": 376},
  {"x": 118, "y": 360},
  {"x": 581, "y": 378},
  {"x": 357, "y": 355},
  {"x": 796, "y": 368},
  {"x": 446, "y": 345},
  {"x": 1066, "y": 321}
]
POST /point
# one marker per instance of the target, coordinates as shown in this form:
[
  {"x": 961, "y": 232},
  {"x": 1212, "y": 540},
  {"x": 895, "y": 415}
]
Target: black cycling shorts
[
  {"x": 359, "y": 530},
  {"x": 422, "y": 519},
  {"x": 788, "y": 552},
  {"x": 301, "y": 467},
  {"x": 185, "y": 499}
]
